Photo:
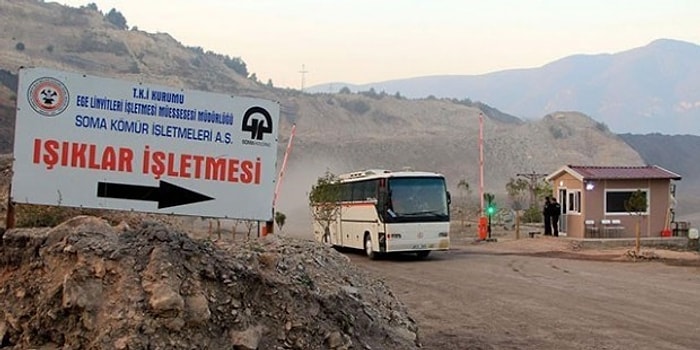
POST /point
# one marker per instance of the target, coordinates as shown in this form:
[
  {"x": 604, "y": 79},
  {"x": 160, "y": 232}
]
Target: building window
[
  {"x": 574, "y": 202},
  {"x": 615, "y": 200}
]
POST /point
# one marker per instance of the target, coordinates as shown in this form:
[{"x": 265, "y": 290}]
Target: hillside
[
  {"x": 337, "y": 132},
  {"x": 642, "y": 90},
  {"x": 678, "y": 154}
]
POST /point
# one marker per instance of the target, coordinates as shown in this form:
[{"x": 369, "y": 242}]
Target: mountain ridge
[{"x": 619, "y": 89}]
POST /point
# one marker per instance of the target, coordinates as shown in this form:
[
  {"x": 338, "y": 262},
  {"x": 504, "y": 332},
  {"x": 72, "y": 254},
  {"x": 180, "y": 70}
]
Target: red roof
[{"x": 624, "y": 172}]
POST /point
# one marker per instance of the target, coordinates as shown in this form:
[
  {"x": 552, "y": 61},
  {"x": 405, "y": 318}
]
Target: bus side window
[{"x": 372, "y": 189}]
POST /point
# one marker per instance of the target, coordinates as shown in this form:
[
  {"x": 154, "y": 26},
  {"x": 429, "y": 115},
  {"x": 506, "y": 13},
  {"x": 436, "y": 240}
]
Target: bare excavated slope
[{"x": 339, "y": 132}]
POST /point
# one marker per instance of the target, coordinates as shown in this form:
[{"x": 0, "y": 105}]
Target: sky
[{"x": 367, "y": 41}]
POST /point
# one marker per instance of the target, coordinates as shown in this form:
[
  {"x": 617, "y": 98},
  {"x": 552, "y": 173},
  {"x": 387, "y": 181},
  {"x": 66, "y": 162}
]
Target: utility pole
[
  {"x": 303, "y": 72},
  {"x": 534, "y": 178}
]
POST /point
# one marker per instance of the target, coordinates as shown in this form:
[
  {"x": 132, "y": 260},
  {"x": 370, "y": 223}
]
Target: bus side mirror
[{"x": 449, "y": 198}]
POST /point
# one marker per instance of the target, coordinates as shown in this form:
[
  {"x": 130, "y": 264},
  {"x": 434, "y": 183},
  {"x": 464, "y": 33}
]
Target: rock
[
  {"x": 123, "y": 226},
  {"x": 335, "y": 340},
  {"x": 197, "y": 309},
  {"x": 406, "y": 334},
  {"x": 121, "y": 343},
  {"x": 3, "y": 331},
  {"x": 164, "y": 300},
  {"x": 81, "y": 292},
  {"x": 248, "y": 339},
  {"x": 350, "y": 290}
]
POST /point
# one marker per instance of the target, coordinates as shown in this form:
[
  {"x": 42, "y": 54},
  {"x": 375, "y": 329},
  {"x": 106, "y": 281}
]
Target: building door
[{"x": 563, "y": 203}]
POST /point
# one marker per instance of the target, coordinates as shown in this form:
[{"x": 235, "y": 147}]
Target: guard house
[{"x": 593, "y": 198}]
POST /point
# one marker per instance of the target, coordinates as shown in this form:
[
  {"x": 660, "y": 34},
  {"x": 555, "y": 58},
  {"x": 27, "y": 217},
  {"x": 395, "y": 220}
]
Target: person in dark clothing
[
  {"x": 555, "y": 211},
  {"x": 546, "y": 212}
]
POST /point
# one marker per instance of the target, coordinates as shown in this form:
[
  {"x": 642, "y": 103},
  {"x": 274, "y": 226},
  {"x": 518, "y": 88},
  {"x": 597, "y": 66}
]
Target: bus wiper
[{"x": 424, "y": 212}]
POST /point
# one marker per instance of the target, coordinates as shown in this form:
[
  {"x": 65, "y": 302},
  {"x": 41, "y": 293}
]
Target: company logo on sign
[
  {"x": 258, "y": 122},
  {"x": 48, "y": 96}
]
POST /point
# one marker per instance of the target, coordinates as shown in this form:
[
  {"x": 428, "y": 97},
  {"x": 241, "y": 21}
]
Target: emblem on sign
[{"x": 48, "y": 96}]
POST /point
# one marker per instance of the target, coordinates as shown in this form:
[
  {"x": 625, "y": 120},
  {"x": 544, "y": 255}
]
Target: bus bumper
[{"x": 408, "y": 246}]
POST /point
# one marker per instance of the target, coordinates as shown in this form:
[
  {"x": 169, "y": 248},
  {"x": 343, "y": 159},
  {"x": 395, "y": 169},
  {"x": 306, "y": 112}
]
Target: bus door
[
  {"x": 564, "y": 205},
  {"x": 337, "y": 229}
]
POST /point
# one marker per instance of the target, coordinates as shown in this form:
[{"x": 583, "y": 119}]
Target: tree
[
  {"x": 464, "y": 190},
  {"x": 323, "y": 200},
  {"x": 237, "y": 64},
  {"x": 269, "y": 83},
  {"x": 542, "y": 189},
  {"x": 280, "y": 218},
  {"x": 345, "y": 90},
  {"x": 517, "y": 189},
  {"x": 537, "y": 189},
  {"x": 249, "y": 225},
  {"x": 636, "y": 205},
  {"x": 115, "y": 17},
  {"x": 234, "y": 227}
]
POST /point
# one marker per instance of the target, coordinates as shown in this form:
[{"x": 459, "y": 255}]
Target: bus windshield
[{"x": 418, "y": 199}]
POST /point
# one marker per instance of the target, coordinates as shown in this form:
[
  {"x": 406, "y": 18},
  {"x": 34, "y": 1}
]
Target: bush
[
  {"x": 602, "y": 127},
  {"x": 356, "y": 106},
  {"x": 30, "y": 215},
  {"x": 237, "y": 64},
  {"x": 532, "y": 215},
  {"x": 20, "y": 46},
  {"x": 117, "y": 19},
  {"x": 558, "y": 132}
]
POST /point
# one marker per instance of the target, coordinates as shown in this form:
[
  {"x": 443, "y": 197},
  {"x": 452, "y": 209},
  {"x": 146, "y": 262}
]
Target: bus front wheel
[
  {"x": 368, "y": 248},
  {"x": 422, "y": 254}
]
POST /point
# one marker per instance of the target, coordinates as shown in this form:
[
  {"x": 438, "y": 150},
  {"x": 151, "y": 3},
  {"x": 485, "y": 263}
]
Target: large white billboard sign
[{"x": 86, "y": 141}]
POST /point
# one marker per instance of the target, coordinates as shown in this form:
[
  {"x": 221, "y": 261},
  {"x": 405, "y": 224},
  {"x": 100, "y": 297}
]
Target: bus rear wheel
[
  {"x": 422, "y": 254},
  {"x": 368, "y": 248}
]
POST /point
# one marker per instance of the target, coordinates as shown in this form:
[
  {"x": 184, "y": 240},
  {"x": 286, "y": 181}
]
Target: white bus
[{"x": 390, "y": 212}]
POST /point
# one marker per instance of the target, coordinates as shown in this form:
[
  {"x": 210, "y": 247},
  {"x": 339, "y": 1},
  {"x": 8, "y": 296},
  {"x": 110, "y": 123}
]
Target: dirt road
[{"x": 484, "y": 297}]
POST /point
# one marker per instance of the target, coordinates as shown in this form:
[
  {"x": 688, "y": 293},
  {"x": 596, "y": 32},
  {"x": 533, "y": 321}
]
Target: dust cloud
[{"x": 293, "y": 198}]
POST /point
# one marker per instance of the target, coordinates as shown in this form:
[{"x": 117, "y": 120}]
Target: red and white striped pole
[
  {"x": 269, "y": 226},
  {"x": 481, "y": 160},
  {"x": 284, "y": 166},
  {"x": 483, "y": 228}
]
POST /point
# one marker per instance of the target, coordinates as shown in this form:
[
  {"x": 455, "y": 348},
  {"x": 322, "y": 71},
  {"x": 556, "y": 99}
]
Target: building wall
[
  {"x": 593, "y": 205},
  {"x": 651, "y": 224}
]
